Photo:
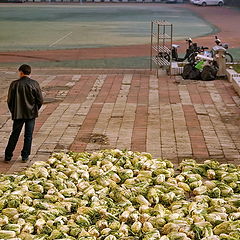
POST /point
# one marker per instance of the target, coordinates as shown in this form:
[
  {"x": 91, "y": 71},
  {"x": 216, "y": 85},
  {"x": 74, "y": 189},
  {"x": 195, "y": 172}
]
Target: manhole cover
[
  {"x": 95, "y": 138},
  {"x": 60, "y": 147}
]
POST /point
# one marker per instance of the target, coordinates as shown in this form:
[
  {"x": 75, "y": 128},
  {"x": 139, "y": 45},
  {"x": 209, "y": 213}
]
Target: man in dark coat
[{"x": 24, "y": 101}]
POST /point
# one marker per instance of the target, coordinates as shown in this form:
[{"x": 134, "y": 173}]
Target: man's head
[{"x": 24, "y": 70}]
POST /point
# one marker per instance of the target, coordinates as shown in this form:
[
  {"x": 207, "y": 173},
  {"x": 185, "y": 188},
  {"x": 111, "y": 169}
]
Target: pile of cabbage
[{"x": 114, "y": 194}]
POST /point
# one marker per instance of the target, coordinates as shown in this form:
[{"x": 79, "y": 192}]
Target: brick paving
[{"x": 166, "y": 116}]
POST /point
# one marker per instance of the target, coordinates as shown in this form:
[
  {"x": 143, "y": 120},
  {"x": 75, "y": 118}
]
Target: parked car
[{"x": 208, "y": 2}]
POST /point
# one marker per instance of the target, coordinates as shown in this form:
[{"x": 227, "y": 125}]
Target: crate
[{"x": 175, "y": 69}]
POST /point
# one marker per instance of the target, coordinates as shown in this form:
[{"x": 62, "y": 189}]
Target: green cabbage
[
  {"x": 5, "y": 234},
  {"x": 114, "y": 194}
]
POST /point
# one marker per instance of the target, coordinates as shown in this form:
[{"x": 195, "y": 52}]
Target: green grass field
[{"x": 35, "y": 27}]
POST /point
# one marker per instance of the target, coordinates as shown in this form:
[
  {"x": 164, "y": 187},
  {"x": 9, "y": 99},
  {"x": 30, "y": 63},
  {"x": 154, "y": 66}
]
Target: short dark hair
[{"x": 26, "y": 69}]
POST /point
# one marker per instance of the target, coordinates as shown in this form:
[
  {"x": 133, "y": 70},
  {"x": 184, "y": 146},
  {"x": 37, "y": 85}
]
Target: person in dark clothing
[{"x": 24, "y": 100}]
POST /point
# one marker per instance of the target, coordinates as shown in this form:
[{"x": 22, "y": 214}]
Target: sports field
[
  {"x": 37, "y": 27},
  {"x": 103, "y": 35}
]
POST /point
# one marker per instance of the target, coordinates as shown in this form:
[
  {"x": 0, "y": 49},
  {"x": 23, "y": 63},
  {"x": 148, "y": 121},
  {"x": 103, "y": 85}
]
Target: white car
[{"x": 208, "y": 2}]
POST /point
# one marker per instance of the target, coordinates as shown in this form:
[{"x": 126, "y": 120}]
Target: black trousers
[{"x": 16, "y": 130}]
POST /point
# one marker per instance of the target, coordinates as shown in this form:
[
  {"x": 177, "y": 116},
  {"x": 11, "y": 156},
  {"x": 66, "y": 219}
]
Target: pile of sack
[{"x": 200, "y": 71}]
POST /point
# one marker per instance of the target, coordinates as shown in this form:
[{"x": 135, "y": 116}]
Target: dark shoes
[
  {"x": 25, "y": 159},
  {"x": 7, "y": 159}
]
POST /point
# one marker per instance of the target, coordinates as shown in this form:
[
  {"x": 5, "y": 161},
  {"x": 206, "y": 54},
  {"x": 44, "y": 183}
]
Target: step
[
  {"x": 236, "y": 84},
  {"x": 231, "y": 73}
]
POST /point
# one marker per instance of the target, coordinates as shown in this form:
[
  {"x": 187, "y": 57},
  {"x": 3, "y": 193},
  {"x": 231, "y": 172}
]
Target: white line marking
[{"x": 60, "y": 39}]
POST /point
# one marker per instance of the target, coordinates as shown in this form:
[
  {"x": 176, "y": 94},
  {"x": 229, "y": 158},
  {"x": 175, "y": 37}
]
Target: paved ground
[{"x": 91, "y": 110}]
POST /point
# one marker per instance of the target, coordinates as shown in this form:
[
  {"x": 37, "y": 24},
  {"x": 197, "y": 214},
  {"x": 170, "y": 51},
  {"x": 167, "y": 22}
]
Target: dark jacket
[{"x": 24, "y": 98}]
